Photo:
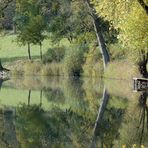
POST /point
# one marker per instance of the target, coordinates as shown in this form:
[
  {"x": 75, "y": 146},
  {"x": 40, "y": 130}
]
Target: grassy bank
[
  {"x": 121, "y": 70},
  {"x": 35, "y": 68},
  {"x": 62, "y": 59},
  {"x": 115, "y": 70}
]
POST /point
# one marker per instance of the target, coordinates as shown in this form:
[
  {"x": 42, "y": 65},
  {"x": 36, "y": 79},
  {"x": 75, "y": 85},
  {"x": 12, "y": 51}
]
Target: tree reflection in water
[
  {"x": 56, "y": 127},
  {"x": 143, "y": 115},
  {"x": 69, "y": 120},
  {"x": 107, "y": 123}
]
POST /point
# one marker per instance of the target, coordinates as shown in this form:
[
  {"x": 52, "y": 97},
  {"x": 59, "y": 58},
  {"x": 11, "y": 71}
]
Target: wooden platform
[{"x": 140, "y": 84}]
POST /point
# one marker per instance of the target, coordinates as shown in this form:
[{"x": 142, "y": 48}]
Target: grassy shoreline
[
  {"x": 121, "y": 70},
  {"x": 88, "y": 64},
  {"x": 115, "y": 70},
  {"x": 34, "y": 68}
]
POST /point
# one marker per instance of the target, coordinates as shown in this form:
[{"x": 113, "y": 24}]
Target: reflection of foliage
[
  {"x": 53, "y": 128},
  {"x": 30, "y": 124},
  {"x": 108, "y": 128},
  {"x": 143, "y": 122},
  {"x": 73, "y": 87},
  {"x": 75, "y": 98},
  {"x": 70, "y": 123},
  {"x": 68, "y": 127},
  {"x": 118, "y": 102},
  {"x": 54, "y": 95},
  {"x": 110, "y": 125},
  {"x": 134, "y": 125}
]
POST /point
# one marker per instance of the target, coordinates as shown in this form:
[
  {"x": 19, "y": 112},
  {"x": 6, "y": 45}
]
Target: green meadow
[{"x": 10, "y": 50}]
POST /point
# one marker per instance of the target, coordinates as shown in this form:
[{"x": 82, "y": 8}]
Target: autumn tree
[{"x": 130, "y": 18}]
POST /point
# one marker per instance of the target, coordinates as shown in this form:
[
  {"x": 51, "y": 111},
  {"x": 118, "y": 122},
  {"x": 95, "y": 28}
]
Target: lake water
[{"x": 42, "y": 112}]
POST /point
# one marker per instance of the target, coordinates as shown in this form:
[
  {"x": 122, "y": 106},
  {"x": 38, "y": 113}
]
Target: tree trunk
[
  {"x": 143, "y": 68},
  {"x": 14, "y": 21},
  {"x": 100, "y": 38},
  {"x": 143, "y": 5},
  {"x": 101, "y": 41},
  {"x": 29, "y": 96},
  {"x": 41, "y": 95},
  {"x": 101, "y": 111},
  {"x": 41, "y": 51},
  {"x": 102, "y": 108},
  {"x": 29, "y": 54},
  {"x": 14, "y": 28}
]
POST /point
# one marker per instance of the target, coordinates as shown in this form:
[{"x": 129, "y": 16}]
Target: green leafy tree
[
  {"x": 69, "y": 19},
  {"x": 30, "y": 23},
  {"x": 77, "y": 21},
  {"x": 130, "y": 18}
]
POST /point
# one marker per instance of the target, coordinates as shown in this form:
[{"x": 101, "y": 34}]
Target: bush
[
  {"x": 93, "y": 67},
  {"x": 117, "y": 51},
  {"x": 52, "y": 69},
  {"x": 32, "y": 68},
  {"x": 121, "y": 70},
  {"x": 54, "y": 55},
  {"x": 74, "y": 58}
]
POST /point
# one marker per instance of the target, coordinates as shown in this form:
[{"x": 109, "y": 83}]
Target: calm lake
[{"x": 42, "y": 112}]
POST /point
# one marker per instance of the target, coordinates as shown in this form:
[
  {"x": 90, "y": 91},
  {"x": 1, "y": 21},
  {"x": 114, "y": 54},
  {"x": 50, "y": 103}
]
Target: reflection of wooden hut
[
  {"x": 7, "y": 128},
  {"x": 140, "y": 84}
]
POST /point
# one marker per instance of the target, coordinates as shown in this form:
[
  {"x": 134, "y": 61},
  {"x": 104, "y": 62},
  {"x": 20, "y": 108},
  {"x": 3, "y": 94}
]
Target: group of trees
[
  {"x": 131, "y": 19},
  {"x": 80, "y": 21},
  {"x": 31, "y": 23}
]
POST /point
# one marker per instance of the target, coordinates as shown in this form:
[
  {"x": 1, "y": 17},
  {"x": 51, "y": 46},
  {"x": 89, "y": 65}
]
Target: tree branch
[{"x": 144, "y": 6}]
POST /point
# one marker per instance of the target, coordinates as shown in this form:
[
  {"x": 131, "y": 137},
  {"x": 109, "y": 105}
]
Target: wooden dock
[{"x": 140, "y": 84}]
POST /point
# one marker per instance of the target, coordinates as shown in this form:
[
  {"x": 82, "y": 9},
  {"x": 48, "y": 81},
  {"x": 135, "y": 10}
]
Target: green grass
[{"x": 11, "y": 51}]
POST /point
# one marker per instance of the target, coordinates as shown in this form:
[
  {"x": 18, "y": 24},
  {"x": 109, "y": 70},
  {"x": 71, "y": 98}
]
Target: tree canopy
[{"x": 131, "y": 19}]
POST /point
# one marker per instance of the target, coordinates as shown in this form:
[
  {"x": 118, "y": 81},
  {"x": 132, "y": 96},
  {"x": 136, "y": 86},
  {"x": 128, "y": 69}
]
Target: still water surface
[{"x": 72, "y": 113}]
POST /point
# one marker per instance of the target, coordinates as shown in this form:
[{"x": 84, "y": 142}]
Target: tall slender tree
[{"x": 98, "y": 31}]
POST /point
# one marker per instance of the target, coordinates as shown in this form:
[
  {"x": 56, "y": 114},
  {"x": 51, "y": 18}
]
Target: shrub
[
  {"x": 52, "y": 69},
  {"x": 121, "y": 70},
  {"x": 117, "y": 51},
  {"x": 32, "y": 68},
  {"x": 93, "y": 67},
  {"x": 54, "y": 55},
  {"x": 74, "y": 58}
]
